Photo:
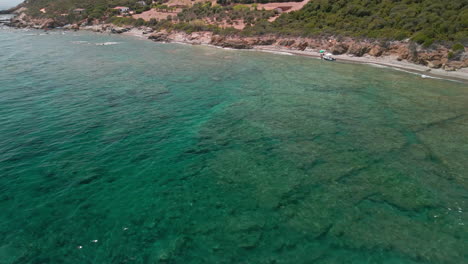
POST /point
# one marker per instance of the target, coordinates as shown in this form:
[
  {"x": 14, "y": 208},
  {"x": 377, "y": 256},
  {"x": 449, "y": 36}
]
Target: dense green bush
[
  {"x": 423, "y": 38},
  {"x": 223, "y": 13},
  {"x": 458, "y": 47},
  {"x": 229, "y": 2},
  {"x": 423, "y": 21},
  {"x": 450, "y": 55},
  {"x": 438, "y": 20}
]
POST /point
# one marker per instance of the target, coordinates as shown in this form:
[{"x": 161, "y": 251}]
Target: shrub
[
  {"x": 450, "y": 55},
  {"x": 420, "y": 38},
  {"x": 428, "y": 42},
  {"x": 400, "y": 35},
  {"x": 458, "y": 47}
]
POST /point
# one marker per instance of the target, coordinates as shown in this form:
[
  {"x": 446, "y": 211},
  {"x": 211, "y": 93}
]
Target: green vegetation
[
  {"x": 94, "y": 8},
  {"x": 189, "y": 27},
  {"x": 450, "y": 55},
  {"x": 458, "y": 47},
  {"x": 228, "y": 2},
  {"x": 227, "y": 14},
  {"x": 422, "y": 21},
  {"x": 425, "y": 21}
]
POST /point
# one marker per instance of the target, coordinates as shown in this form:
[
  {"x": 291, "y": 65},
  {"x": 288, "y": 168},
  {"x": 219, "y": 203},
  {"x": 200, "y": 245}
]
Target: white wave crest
[{"x": 107, "y": 43}]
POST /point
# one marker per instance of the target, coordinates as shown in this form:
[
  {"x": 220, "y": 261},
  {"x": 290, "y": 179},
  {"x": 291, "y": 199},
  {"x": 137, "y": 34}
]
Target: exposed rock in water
[
  {"x": 72, "y": 27},
  {"x": 49, "y": 24},
  {"x": 119, "y": 30},
  {"x": 159, "y": 37}
]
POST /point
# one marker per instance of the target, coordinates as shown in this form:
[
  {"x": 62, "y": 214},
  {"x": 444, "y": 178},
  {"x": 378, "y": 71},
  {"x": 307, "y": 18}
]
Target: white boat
[{"x": 328, "y": 57}]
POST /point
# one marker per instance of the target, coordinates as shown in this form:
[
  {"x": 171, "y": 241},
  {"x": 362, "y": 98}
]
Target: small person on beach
[{"x": 321, "y": 56}]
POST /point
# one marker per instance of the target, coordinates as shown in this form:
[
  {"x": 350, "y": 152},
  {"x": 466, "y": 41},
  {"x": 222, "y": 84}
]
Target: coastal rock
[
  {"x": 147, "y": 32},
  {"x": 358, "y": 49},
  {"x": 434, "y": 64},
  {"x": 196, "y": 38},
  {"x": 159, "y": 37},
  {"x": 339, "y": 49},
  {"x": 287, "y": 42},
  {"x": 48, "y": 24},
  {"x": 264, "y": 42},
  {"x": 71, "y": 27},
  {"x": 302, "y": 46},
  {"x": 235, "y": 43},
  {"x": 376, "y": 51},
  {"x": 449, "y": 68},
  {"x": 217, "y": 39},
  {"x": 119, "y": 30},
  {"x": 454, "y": 65}
]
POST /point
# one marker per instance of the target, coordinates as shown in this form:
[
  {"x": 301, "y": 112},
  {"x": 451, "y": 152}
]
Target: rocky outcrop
[
  {"x": 23, "y": 21},
  {"x": 338, "y": 49},
  {"x": 263, "y": 41},
  {"x": 358, "y": 49},
  {"x": 376, "y": 51},
  {"x": 286, "y": 42},
  {"x": 435, "y": 64},
  {"x": 302, "y": 45},
  {"x": 71, "y": 27},
  {"x": 120, "y": 30},
  {"x": 235, "y": 43},
  {"x": 159, "y": 37}
]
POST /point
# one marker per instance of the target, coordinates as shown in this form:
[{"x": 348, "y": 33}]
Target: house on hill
[
  {"x": 122, "y": 9},
  {"x": 141, "y": 3}
]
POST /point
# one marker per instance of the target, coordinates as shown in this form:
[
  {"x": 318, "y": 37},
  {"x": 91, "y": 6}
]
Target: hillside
[{"x": 424, "y": 21}]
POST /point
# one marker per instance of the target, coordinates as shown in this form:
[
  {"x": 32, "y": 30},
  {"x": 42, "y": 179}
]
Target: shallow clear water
[{"x": 166, "y": 153}]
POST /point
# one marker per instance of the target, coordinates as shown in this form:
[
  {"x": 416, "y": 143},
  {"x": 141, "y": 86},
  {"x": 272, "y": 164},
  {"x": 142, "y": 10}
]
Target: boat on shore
[
  {"x": 326, "y": 56},
  {"x": 329, "y": 57}
]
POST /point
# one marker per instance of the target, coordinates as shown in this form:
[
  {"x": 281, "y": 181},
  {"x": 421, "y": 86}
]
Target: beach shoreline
[
  {"x": 460, "y": 75},
  {"x": 205, "y": 39}
]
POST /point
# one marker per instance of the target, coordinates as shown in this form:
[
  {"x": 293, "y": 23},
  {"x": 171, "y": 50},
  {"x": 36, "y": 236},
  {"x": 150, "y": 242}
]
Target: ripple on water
[{"x": 151, "y": 153}]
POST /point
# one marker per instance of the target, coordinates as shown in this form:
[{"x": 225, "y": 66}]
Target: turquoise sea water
[{"x": 140, "y": 152}]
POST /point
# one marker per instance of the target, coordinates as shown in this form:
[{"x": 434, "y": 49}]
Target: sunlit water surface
[{"x": 121, "y": 150}]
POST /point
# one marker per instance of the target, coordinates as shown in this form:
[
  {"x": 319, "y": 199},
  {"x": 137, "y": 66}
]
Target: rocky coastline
[{"x": 438, "y": 61}]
